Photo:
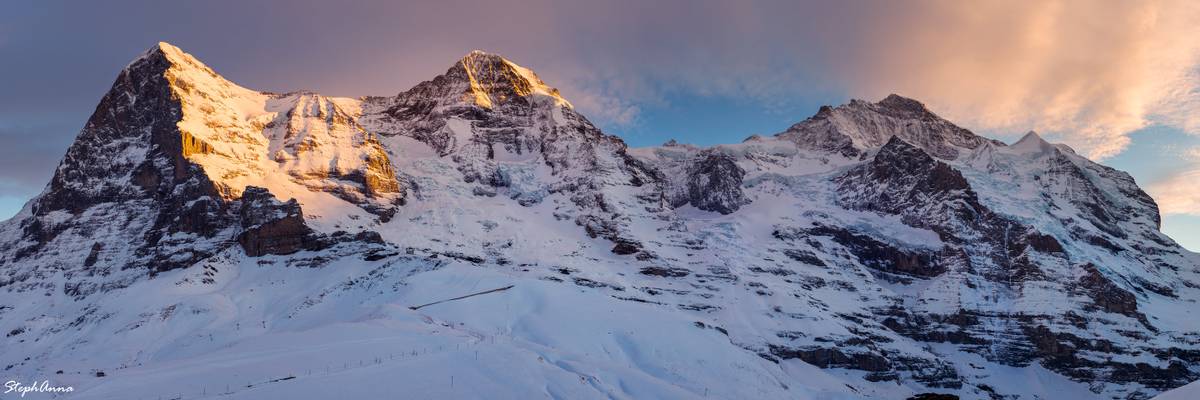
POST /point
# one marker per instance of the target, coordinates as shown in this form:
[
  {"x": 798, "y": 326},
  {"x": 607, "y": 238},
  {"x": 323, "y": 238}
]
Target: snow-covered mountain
[{"x": 201, "y": 239}]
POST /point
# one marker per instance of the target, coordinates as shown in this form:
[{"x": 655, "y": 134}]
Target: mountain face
[{"x": 873, "y": 250}]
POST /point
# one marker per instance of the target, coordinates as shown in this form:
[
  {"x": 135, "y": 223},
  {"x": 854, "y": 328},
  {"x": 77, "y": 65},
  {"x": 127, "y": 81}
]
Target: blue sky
[
  {"x": 703, "y": 72},
  {"x": 1155, "y": 154}
]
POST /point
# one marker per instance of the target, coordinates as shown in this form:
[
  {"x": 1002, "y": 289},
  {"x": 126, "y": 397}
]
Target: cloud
[
  {"x": 1179, "y": 193},
  {"x": 606, "y": 110},
  {"x": 606, "y": 100},
  {"x": 1091, "y": 71},
  {"x": 1088, "y": 72}
]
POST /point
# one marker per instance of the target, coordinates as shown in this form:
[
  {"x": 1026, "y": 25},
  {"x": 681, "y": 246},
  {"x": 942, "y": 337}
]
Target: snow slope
[
  {"x": 540, "y": 339},
  {"x": 1186, "y": 392}
]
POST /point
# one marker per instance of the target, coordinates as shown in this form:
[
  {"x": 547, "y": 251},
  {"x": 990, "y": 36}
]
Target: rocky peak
[
  {"x": 1031, "y": 143},
  {"x": 483, "y": 92},
  {"x": 486, "y": 104},
  {"x": 134, "y": 124},
  {"x": 900, "y": 160},
  {"x": 860, "y": 126},
  {"x": 479, "y": 79},
  {"x": 898, "y": 151},
  {"x": 134, "y": 160},
  {"x": 241, "y": 137},
  {"x": 714, "y": 183},
  {"x": 903, "y": 179},
  {"x": 1030, "y": 136},
  {"x": 495, "y": 120},
  {"x": 272, "y": 226},
  {"x": 174, "y": 143},
  {"x": 174, "y": 56},
  {"x": 493, "y": 80},
  {"x": 904, "y": 107}
]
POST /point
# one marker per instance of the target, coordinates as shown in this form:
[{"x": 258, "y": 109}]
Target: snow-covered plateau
[{"x": 476, "y": 237}]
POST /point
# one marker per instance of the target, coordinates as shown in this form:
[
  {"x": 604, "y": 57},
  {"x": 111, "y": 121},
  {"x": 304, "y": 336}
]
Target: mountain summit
[
  {"x": 477, "y": 229},
  {"x": 493, "y": 80}
]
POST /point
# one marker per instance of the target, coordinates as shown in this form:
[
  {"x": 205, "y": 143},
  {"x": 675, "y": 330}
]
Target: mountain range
[{"x": 477, "y": 237}]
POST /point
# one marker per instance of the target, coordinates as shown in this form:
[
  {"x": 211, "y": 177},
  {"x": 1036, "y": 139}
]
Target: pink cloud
[
  {"x": 1179, "y": 192},
  {"x": 1091, "y": 71}
]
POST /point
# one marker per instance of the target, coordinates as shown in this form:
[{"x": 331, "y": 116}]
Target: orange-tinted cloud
[
  {"x": 1090, "y": 71},
  {"x": 1179, "y": 193},
  {"x": 1086, "y": 72}
]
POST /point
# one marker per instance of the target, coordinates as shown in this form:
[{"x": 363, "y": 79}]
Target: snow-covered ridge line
[{"x": 873, "y": 250}]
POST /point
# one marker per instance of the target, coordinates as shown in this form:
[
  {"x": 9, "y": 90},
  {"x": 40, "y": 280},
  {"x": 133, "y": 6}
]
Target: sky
[{"x": 1117, "y": 81}]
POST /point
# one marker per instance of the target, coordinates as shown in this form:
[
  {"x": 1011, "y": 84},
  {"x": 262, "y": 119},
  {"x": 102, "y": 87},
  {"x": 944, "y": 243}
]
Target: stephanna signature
[{"x": 36, "y": 387}]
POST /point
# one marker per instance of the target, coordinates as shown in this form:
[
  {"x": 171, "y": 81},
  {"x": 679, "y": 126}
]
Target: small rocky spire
[{"x": 901, "y": 103}]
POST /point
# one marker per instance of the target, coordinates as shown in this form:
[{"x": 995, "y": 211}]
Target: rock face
[
  {"x": 984, "y": 246},
  {"x": 991, "y": 241},
  {"x": 480, "y": 87},
  {"x": 168, "y": 153},
  {"x": 715, "y": 184},
  {"x": 130, "y": 164},
  {"x": 318, "y": 144},
  {"x": 710, "y": 180},
  {"x": 902, "y": 178},
  {"x": 874, "y": 237},
  {"x": 486, "y": 112},
  {"x": 273, "y": 227},
  {"x": 502, "y": 126},
  {"x": 853, "y": 128}
]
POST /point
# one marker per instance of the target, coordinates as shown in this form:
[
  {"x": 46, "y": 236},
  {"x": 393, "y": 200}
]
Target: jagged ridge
[{"x": 856, "y": 239}]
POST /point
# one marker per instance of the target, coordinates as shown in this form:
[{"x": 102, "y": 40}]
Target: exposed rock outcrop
[
  {"x": 274, "y": 227},
  {"x": 715, "y": 184},
  {"x": 855, "y": 128}
]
